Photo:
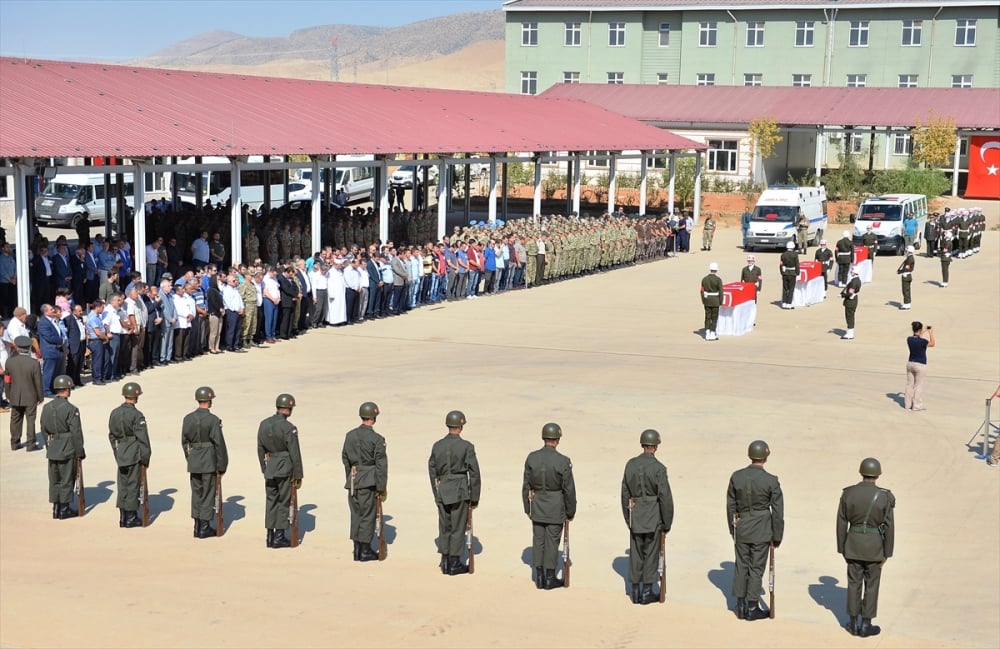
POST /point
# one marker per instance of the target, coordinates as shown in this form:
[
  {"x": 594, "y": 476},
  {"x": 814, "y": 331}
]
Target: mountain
[{"x": 462, "y": 51}]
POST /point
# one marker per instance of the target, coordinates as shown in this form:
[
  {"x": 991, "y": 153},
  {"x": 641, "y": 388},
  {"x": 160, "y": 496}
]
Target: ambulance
[
  {"x": 772, "y": 223},
  {"x": 885, "y": 216}
]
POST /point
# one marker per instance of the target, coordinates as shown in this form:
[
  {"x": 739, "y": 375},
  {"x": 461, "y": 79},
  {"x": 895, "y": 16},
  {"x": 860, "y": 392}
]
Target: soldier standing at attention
[
  {"x": 281, "y": 464},
  {"x": 802, "y": 233},
  {"x": 549, "y": 497},
  {"x": 752, "y": 274},
  {"x": 63, "y": 446},
  {"x": 711, "y": 299},
  {"x": 130, "y": 443},
  {"x": 789, "y": 267},
  {"x": 708, "y": 232},
  {"x": 456, "y": 484},
  {"x": 870, "y": 240},
  {"x": 206, "y": 454},
  {"x": 944, "y": 251},
  {"x": 648, "y": 507},
  {"x": 755, "y": 512},
  {"x": 850, "y": 295},
  {"x": 845, "y": 256},
  {"x": 905, "y": 272},
  {"x": 367, "y": 471},
  {"x": 825, "y": 258},
  {"x": 865, "y": 536}
]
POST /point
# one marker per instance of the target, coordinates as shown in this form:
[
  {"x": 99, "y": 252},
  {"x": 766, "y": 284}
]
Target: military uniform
[
  {"x": 802, "y": 233},
  {"x": 63, "y": 433},
  {"x": 865, "y": 537},
  {"x": 789, "y": 267},
  {"x": 825, "y": 258},
  {"x": 366, "y": 470},
  {"x": 708, "y": 233},
  {"x": 648, "y": 508},
  {"x": 205, "y": 450},
  {"x": 711, "y": 299},
  {"x": 870, "y": 241},
  {"x": 905, "y": 272},
  {"x": 944, "y": 251},
  {"x": 755, "y": 515},
  {"x": 280, "y": 462},
  {"x": 456, "y": 484},
  {"x": 129, "y": 439},
  {"x": 548, "y": 494},
  {"x": 850, "y": 295},
  {"x": 845, "y": 256}
]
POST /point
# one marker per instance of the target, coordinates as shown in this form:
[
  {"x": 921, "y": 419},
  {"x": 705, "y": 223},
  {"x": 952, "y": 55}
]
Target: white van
[
  {"x": 358, "y": 183},
  {"x": 68, "y": 199},
  {"x": 885, "y": 215},
  {"x": 772, "y": 223}
]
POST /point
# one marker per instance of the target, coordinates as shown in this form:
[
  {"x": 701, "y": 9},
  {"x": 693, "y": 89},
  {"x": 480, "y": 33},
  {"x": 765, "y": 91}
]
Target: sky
[{"x": 120, "y": 30}]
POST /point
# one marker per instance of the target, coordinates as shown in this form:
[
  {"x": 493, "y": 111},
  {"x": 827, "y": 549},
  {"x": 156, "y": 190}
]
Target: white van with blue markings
[{"x": 772, "y": 222}]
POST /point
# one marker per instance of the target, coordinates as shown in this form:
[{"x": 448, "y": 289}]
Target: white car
[
  {"x": 299, "y": 189},
  {"x": 403, "y": 177}
]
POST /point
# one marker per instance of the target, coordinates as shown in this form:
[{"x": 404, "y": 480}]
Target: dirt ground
[{"x": 605, "y": 356}]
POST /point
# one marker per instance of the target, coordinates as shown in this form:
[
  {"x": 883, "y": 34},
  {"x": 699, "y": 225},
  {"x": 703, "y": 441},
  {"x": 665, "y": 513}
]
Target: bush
[{"x": 912, "y": 180}]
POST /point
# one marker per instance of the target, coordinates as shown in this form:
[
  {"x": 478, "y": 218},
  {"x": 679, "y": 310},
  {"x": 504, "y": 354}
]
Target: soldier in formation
[
  {"x": 129, "y": 439},
  {"x": 63, "y": 434},
  {"x": 870, "y": 241},
  {"x": 788, "y": 265},
  {"x": 281, "y": 463},
  {"x": 905, "y": 272},
  {"x": 944, "y": 252},
  {"x": 648, "y": 508},
  {"x": 456, "y": 485},
  {"x": 548, "y": 494},
  {"x": 366, "y": 469},
  {"x": 845, "y": 257},
  {"x": 850, "y": 296},
  {"x": 865, "y": 538},
  {"x": 755, "y": 513},
  {"x": 711, "y": 300},
  {"x": 207, "y": 457},
  {"x": 825, "y": 258},
  {"x": 752, "y": 274}
]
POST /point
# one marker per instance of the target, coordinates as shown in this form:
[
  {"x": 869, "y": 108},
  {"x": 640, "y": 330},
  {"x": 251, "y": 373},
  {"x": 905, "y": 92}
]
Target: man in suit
[
  {"x": 53, "y": 346},
  {"x": 61, "y": 270},
  {"x": 91, "y": 275},
  {"x": 24, "y": 392},
  {"x": 78, "y": 273},
  {"x": 289, "y": 296},
  {"x": 40, "y": 273},
  {"x": 76, "y": 339}
]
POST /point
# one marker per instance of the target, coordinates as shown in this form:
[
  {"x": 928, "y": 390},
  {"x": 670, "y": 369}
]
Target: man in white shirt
[
  {"x": 272, "y": 300},
  {"x": 352, "y": 279},
  {"x": 319, "y": 282},
  {"x": 234, "y": 313},
  {"x": 16, "y": 328},
  {"x": 112, "y": 319},
  {"x": 184, "y": 309}
]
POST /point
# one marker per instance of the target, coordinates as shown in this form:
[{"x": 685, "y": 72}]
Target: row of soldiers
[{"x": 965, "y": 225}]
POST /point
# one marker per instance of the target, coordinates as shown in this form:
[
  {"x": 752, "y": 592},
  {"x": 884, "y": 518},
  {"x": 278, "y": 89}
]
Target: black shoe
[
  {"x": 741, "y": 608},
  {"x": 205, "y": 530},
  {"x": 132, "y": 519},
  {"x": 868, "y": 629},
  {"x": 34, "y": 446},
  {"x": 14, "y": 446},
  {"x": 280, "y": 540},
  {"x": 270, "y": 538},
  {"x": 539, "y": 578},
  {"x": 366, "y": 553},
  {"x": 853, "y": 625},
  {"x": 635, "y": 593},
  {"x": 357, "y": 553},
  {"x": 197, "y": 526},
  {"x": 755, "y": 612},
  {"x": 647, "y": 596},
  {"x": 456, "y": 567},
  {"x": 121, "y": 518},
  {"x": 65, "y": 511},
  {"x": 443, "y": 564},
  {"x": 551, "y": 581},
  {"x": 55, "y": 511}
]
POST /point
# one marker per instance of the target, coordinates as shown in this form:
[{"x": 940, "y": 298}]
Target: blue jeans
[
  {"x": 96, "y": 360},
  {"x": 270, "y": 318},
  {"x": 473, "y": 288}
]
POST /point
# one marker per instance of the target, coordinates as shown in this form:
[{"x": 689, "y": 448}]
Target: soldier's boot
[
  {"x": 868, "y": 629},
  {"x": 131, "y": 519},
  {"x": 539, "y": 578},
  {"x": 55, "y": 510},
  {"x": 197, "y": 526},
  {"x": 205, "y": 530},
  {"x": 65, "y": 511},
  {"x": 755, "y": 612},
  {"x": 280, "y": 540},
  {"x": 551, "y": 581},
  {"x": 121, "y": 517},
  {"x": 456, "y": 567},
  {"x": 270, "y": 538},
  {"x": 741, "y": 608},
  {"x": 357, "y": 553},
  {"x": 443, "y": 564},
  {"x": 853, "y": 625},
  {"x": 635, "y": 593},
  {"x": 647, "y": 596},
  {"x": 367, "y": 554}
]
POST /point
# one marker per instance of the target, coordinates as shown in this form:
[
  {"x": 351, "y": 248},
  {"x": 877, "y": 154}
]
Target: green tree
[{"x": 683, "y": 180}]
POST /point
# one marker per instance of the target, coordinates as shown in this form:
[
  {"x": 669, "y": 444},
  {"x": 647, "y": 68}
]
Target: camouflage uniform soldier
[
  {"x": 367, "y": 473},
  {"x": 206, "y": 455},
  {"x": 281, "y": 463},
  {"x": 708, "y": 232},
  {"x": 63, "y": 434},
  {"x": 252, "y": 246},
  {"x": 130, "y": 442}
]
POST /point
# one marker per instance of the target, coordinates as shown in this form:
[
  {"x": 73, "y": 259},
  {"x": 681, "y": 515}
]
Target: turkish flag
[{"x": 984, "y": 167}]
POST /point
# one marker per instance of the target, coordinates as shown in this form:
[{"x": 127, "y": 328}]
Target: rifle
[
  {"x": 81, "y": 501},
  {"x": 380, "y": 528},
  {"x": 293, "y": 516},
  {"x": 770, "y": 580},
  {"x": 468, "y": 542},
  {"x": 218, "y": 504},
  {"x": 661, "y": 567},
  {"x": 144, "y": 495},
  {"x": 567, "y": 562}
]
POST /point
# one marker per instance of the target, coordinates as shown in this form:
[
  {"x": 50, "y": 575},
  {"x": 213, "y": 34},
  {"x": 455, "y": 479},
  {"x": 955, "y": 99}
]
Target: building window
[
  {"x": 616, "y": 34},
  {"x": 963, "y": 147},
  {"x": 529, "y": 34},
  {"x": 755, "y": 33},
  {"x": 859, "y": 33},
  {"x": 571, "y": 77},
  {"x": 855, "y": 142},
  {"x": 657, "y": 159},
  {"x": 529, "y": 83},
  {"x": 961, "y": 81},
  {"x": 911, "y": 32},
  {"x": 901, "y": 144},
  {"x": 572, "y": 34},
  {"x": 616, "y": 78},
  {"x": 965, "y": 32},
  {"x": 664, "y": 34},
  {"x": 856, "y": 80},
  {"x": 596, "y": 158},
  {"x": 753, "y": 79},
  {"x": 707, "y": 33},
  {"x": 722, "y": 155},
  {"x": 907, "y": 81},
  {"x": 706, "y": 79},
  {"x": 802, "y": 80},
  {"x": 804, "y": 33},
  {"x": 661, "y": 78}
]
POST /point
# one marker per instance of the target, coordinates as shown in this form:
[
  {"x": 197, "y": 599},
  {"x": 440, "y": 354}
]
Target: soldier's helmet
[
  {"x": 758, "y": 450},
  {"x": 284, "y": 401},
  {"x": 649, "y": 437},
  {"x": 62, "y": 382},
  {"x": 204, "y": 393},
  {"x": 870, "y": 468},
  {"x": 551, "y": 431},
  {"x": 131, "y": 390},
  {"x": 368, "y": 410},
  {"x": 455, "y": 419}
]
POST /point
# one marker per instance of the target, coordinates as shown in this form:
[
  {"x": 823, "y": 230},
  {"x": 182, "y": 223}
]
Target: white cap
[
  {"x": 910, "y": 248},
  {"x": 751, "y": 257},
  {"x": 822, "y": 242},
  {"x": 854, "y": 270},
  {"x": 713, "y": 267},
  {"x": 846, "y": 233},
  {"x": 790, "y": 245}
]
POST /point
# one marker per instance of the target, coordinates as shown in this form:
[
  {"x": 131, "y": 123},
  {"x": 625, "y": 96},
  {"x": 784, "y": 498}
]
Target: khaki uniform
[
  {"x": 129, "y": 439},
  {"x": 456, "y": 483},
  {"x": 280, "y": 461},
  {"x": 648, "y": 508},
  {"x": 865, "y": 537},
  {"x": 63, "y": 435},
  {"x": 548, "y": 493},
  {"x": 364, "y": 450}
]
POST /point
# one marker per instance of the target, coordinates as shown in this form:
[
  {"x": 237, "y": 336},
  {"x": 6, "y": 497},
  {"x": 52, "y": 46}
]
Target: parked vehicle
[
  {"x": 772, "y": 223},
  {"x": 68, "y": 199},
  {"x": 885, "y": 215},
  {"x": 403, "y": 177}
]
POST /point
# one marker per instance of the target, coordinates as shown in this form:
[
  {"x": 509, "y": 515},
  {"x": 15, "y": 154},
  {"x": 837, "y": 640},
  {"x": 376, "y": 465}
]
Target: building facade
[{"x": 852, "y": 43}]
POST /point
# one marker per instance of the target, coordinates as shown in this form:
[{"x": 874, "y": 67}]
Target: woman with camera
[{"x": 916, "y": 365}]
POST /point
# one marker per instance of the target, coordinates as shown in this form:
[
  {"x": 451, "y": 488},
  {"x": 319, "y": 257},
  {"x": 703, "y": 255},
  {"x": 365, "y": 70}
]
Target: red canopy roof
[{"x": 64, "y": 109}]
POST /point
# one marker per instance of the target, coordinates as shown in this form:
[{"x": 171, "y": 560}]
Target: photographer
[{"x": 916, "y": 365}]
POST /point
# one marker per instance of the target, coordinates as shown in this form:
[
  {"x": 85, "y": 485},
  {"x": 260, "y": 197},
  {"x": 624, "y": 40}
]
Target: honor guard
[
  {"x": 944, "y": 252},
  {"x": 905, "y": 272},
  {"x": 130, "y": 443},
  {"x": 752, "y": 274},
  {"x": 850, "y": 295},
  {"x": 789, "y": 267},
  {"x": 207, "y": 457},
  {"x": 456, "y": 485},
  {"x": 870, "y": 241},
  {"x": 367, "y": 474},
  {"x": 755, "y": 512},
  {"x": 711, "y": 300},
  {"x": 844, "y": 255},
  {"x": 63, "y": 435},
  {"x": 648, "y": 508},
  {"x": 281, "y": 464},
  {"x": 825, "y": 258},
  {"x": 548, "y": 494}
]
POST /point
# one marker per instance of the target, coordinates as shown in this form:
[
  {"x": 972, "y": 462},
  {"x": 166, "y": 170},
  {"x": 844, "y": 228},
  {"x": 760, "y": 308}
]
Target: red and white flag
[{"x": 984, "y": 167}]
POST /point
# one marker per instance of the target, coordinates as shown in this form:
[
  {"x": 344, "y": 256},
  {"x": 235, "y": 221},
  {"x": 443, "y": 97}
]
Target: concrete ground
[{"x": 605, "y": 356}]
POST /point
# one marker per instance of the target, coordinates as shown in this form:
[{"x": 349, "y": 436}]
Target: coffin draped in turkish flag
[{"x": 984, "y": 168}]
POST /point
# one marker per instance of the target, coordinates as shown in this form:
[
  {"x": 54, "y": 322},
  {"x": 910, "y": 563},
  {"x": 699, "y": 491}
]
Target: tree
[
  {"x": 683, "y": 179},
  {"x": 764, "y": 136},
  {"x": 934, "y": 140}
]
